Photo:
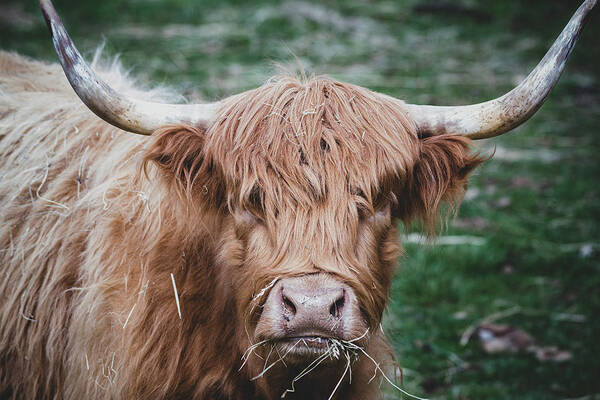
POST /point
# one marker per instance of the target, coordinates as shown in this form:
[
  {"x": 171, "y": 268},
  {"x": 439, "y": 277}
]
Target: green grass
[{"x": 536, "y": 204}]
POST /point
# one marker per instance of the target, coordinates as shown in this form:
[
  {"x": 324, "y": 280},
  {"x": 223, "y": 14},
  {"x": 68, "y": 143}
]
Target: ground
[{"x": 525, "y": 248}]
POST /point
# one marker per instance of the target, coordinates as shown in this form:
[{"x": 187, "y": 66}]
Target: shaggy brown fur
[{"x": 292, "y": 178}]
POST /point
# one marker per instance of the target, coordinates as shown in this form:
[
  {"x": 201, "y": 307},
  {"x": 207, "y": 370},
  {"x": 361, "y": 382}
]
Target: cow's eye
[
  {"x": 372, "y": 208},
  {"x": 363, "y": 205},
  {"x": 255, "y": 202}
]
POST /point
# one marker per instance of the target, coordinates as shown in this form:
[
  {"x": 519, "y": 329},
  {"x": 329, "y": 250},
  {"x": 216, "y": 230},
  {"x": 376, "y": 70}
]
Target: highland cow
[{"x": 244, "y": 250}]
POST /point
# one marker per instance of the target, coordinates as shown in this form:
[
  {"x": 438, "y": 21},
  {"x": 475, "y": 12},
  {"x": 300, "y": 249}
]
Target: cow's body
[{"x": 58, "y": 187}]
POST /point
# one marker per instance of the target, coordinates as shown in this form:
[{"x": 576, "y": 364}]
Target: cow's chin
[{"x": 305, "y": 365}]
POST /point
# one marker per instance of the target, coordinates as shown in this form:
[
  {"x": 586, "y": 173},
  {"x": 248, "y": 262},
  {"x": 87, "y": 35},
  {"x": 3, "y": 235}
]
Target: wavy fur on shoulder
[{"x": 101, "y": 229}]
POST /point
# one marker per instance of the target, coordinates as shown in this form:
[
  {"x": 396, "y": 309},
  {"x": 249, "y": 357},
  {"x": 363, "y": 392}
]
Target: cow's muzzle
[{"x": 302, "y": 315}]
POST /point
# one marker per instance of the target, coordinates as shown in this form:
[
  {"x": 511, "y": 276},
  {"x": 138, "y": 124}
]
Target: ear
[
  {"x": 439, "y": 176},
  {"x": 177, "y": 150}
]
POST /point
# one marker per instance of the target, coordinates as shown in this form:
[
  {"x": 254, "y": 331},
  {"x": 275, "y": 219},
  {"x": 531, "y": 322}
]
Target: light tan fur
[{"x": 295, "y": 177}]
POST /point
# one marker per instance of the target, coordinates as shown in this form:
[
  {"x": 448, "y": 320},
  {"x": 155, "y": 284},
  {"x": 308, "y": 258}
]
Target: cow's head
[
  {"x": 315, "y": 174},
  {"x": 309, "y": 178}
]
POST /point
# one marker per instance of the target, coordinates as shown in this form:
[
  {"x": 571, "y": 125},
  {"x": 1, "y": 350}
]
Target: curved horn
[
  {"x": 495, "y": 117},
  {"x": 131, "y": 115}
]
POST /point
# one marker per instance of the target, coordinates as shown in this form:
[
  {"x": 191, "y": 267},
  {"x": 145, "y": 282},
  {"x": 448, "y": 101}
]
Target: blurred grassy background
[{"x": 527, "y": 240}]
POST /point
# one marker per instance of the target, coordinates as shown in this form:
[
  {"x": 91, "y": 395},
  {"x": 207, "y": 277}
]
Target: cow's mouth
[
  {"x": 313, "y": 343},
  {"x": 302, "y": 348}
]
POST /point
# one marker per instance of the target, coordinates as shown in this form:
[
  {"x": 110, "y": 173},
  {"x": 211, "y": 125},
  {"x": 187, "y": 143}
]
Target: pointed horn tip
[
  {"x": 47, "y": 8},
  {"x": 589, "y": 4},
  {"x": 49, "y": 13}
]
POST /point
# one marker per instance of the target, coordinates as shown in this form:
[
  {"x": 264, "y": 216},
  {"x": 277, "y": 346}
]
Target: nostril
[
  {"x": 336, "y": 308},
  {"x": 288, "y": 305}
]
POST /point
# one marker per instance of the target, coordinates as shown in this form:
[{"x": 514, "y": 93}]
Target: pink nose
[
  {"x": 317, "y": 303},
  {"x": 313, "y": 305}
]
